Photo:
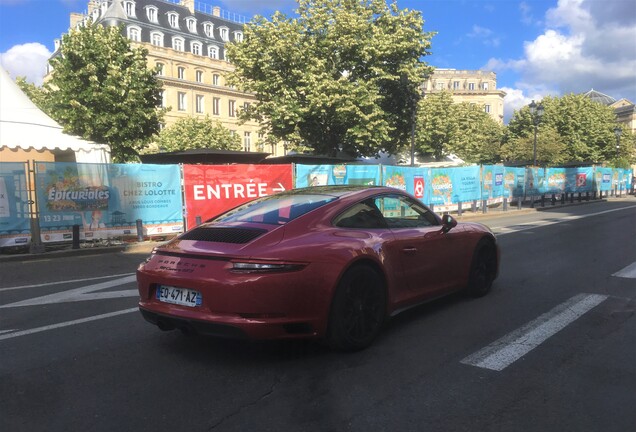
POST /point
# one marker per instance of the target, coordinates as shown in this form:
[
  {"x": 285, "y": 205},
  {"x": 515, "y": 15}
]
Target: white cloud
[
  {"x": 28, "y": 60},
  {"x": 583, "y": 46}
]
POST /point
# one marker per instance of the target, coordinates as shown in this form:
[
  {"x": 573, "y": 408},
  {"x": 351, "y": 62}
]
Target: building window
[
  {"x": 440, "y": 86},
  {"x": 485, "y": 86},
  {"x": 129, "y": 6},
  {"x": 213, "y": 52},
  {"x": 487, "y": 108},
  {"x": 151, "y": 13},
  {"x": 177, "y": 43},
  {"x": 163, "y": 99},
  {"x": 181, "y": 101},
  {"x": 225, "y": 33},
  {"x": 173, "y": 19},
  {"x": 471, "y": 86},
  {"x": 246, "y": 106},
  {"x": 156, "y": 38},
  {"x": 247, "y": 141},
  {"x": 232, "y": 108},
  {"x": 196, "y": 47},
  {"x": 215, "y": 79},
  {"x": 238, "y": 36},
  {"x": 160, "y": 69},
  {"x": 456, "y": 85},
  {"x": 134, "y": 33},
  {"x": 199, "y": 76},
  {"x": 181, "y": 72},
  {"x": 200, "y": 104},
  {"x": 216, "y": 106},
  {"x": 191, "y": 24},
  {"x": 208, "y": 29}
]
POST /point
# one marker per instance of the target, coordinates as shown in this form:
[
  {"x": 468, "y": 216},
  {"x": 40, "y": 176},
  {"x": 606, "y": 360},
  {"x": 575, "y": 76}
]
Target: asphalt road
[{"x": 552, "y": 348}]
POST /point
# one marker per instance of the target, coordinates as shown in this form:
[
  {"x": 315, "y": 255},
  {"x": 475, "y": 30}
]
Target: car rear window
[{"x": 276, "y": 209}]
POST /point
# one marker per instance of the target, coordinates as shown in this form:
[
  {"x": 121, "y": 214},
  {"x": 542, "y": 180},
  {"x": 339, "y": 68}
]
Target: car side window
[
  {"x": 364, "y": 214},
  {"x": 403, "y": 212}
]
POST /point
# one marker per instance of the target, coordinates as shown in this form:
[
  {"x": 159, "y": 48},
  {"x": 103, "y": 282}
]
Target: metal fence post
[{"x": 140, "y": 230}]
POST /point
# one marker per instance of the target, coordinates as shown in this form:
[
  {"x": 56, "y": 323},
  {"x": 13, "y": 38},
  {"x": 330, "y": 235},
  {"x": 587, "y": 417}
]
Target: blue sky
[{"x": 536, "y": 47}]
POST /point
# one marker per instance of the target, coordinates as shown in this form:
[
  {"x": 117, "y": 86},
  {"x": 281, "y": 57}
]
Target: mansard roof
[{"x": 599, "y": 97}]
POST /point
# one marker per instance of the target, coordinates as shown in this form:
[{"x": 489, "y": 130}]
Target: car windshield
[{"x": 276, "y": 209}]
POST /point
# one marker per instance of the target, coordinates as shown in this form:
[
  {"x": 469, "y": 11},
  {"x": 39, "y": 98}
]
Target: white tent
[{"x": 23, "y": 125}]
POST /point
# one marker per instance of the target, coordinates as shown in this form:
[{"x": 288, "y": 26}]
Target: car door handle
[{"x": 409, "y": 250}]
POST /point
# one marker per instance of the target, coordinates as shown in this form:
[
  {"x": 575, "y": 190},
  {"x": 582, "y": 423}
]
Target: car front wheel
[{"x": 483, "y": 270}]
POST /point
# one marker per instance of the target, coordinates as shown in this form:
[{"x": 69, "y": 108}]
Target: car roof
[{"x": 337, "y": 190}]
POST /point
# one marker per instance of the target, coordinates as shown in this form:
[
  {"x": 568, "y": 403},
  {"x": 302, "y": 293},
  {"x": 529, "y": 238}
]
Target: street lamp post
[
  {"x": 618, "y": 131},
  {"x": 536, "y": 110},
  {"x": 414, "y": 102}
]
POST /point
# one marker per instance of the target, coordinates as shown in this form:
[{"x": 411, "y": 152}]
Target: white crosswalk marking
[{"x": 628, "y": 272}]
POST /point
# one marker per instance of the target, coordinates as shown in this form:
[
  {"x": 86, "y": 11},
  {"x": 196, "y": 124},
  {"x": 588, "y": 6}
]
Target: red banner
[{"x": 212, "y": 189}]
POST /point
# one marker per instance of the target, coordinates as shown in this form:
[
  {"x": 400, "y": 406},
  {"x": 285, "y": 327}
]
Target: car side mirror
[{"x": 448, "y": 223}]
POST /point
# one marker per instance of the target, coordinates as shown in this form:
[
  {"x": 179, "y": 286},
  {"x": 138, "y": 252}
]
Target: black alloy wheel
[
  {"x": 483, "y": 270},
  {"x": 358, "y": 309}
]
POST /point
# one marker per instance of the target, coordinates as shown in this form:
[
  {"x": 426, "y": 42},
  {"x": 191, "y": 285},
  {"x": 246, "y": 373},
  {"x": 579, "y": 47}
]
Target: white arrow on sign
[
  {"x": 280, "y": 188},
  {"x": 81, "y": 294}
]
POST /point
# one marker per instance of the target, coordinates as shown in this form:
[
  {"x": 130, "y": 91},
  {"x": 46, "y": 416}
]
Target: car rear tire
[
  {"x": 483, "y": 269},
  {"x": 358, "y": 309}
]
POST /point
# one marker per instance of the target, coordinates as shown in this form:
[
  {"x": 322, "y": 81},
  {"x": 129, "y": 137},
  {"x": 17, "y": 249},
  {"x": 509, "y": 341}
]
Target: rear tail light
[{"x": 265, "y": 266}]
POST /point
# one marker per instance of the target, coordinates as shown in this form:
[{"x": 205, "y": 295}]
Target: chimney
[
  {"x": 76, "y": 18},
  {"x": 189, "y": 4},
  {"x": 216, "y": 11}
]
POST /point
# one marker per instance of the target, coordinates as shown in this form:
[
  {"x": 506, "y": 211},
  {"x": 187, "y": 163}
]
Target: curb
[{"x": 132, "y": 248}]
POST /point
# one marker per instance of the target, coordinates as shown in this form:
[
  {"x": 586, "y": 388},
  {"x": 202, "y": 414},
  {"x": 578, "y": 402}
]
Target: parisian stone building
[
  {"x": 471, "y": 86},
  {"x": 187, "y": 43}
]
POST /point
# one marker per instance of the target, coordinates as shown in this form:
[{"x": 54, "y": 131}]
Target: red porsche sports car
[{"x": 330, "y": 262}]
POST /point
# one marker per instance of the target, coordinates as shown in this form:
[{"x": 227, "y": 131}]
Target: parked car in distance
[{"x": 329, "y": 262}]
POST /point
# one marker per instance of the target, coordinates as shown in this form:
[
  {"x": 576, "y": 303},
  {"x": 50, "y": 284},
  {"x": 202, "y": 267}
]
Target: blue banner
[
  {"x": 579, "y": 179},
  {"x": 322, "y": 175},
  {"x": 514, "y": 182},
  {"x": 454, "y": 185},
  {"x": 107, "y": 199},
  {"x": 14, "y": 205},
  {"x": 493, "y": 182},
  {"x": 414, "y": 180},
  {"x": 603, "y": 178}
]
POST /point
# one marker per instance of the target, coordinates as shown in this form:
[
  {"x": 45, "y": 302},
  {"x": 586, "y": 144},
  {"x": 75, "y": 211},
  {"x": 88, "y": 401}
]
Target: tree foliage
[
  {"x": 343, "y": 75},
  {"x": 190, "y": 133},
  {"x": 465, "y": 130},
  {"x": 581, "y": 129},
  {"x": 38, "y": 95},
  {"x": 102, "y": 90}
]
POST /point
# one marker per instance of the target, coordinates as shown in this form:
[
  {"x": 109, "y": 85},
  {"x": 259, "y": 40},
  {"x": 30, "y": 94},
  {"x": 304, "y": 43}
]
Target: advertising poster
[
  {"x": 213, "y": 189},
  {"x": 514, "y": 182},
  {"x": 323, "y": 175},
  {"x": 579, "y": 179},
  {"x": 556, "y": 181},
  {"x": 603, "y": 178},
  {"x": 413, "y": 180},
  {"x": 14, "y": 209},
  {"x": 106, "y": 200},
  {"x": 492, "y": 182},
  {"x": 453, "y": 185},
  {"x": 535, "y": 181}
]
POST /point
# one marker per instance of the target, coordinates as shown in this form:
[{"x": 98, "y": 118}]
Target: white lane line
[
  {"x": 66, "y": 324},
  {"x": 627, "y": 272},
  {"x": 541, "y": 223},
  {"x": 63, "y": 282},
  {"x": 510, "y": 348},
  {"x": 80, "y": 294},
  {"x": 6, "y": 331}
]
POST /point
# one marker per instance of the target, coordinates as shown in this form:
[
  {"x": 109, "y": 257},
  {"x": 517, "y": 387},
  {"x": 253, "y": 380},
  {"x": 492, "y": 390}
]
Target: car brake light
[{"x": 264, "y": 267}]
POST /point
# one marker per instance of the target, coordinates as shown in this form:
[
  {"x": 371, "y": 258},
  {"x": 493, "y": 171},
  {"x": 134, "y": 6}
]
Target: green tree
[
  {"x": 190, "y": 133},
  {"x": 102, "y": 90},
  {"x": 38, "y": 95},
  {"x": 551, "y": 149},
  {"x": 342, "y": 75},
  {"x": 585, "y": 127},
  {"x": 478, "y": 137},
  {"x": 444, "y": 127}
]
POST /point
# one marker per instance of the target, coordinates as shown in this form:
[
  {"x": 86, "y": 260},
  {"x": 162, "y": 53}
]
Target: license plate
[{"x": 179, "y": 296}]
